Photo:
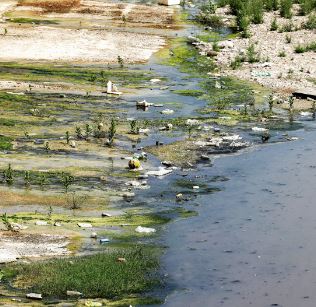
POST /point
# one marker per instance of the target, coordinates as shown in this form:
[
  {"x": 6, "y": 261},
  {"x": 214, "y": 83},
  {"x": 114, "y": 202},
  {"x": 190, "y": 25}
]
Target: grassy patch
[
  {"x": 100, "y": 275},
  {"x": 192, "y": 93},
  {"x": 33, "y": 21},
  {"x": 5, "y": 143}
]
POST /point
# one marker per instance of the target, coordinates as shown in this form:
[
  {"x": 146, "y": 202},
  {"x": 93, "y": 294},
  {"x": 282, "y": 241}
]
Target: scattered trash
[
  {"x": 112, "y": 89},
  {"x": 41, "y": 223},
  {"x": 195, "y": 187},
  {"x": 84, "y": 225},
  {"x": 167, "y": 111},
  {"x": 34, "y": 296},
  {"x": 160, "y": 172},
  {"x": 141, "y": 229},
  {"x": 155, "y": 80},
  {"x": 192, "y": 122},
  {"x": 259, "y": 129},
  {"x": 104, "y": 240},
  {"x": 57, "y": 224},
  {"x": 305, "y": 114},
  {"x": 73, "y": 293}
]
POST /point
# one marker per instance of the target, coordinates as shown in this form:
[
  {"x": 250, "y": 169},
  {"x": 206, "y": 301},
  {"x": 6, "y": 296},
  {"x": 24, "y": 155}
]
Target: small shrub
[
  {"x": 120, "y": 61},
  {"x": 282, "y": 54},
  {"x": 8, "y": 175},
  {"x": 112, "y": 131},
  {"x": 66, "y": 181},
  {"x": 252, "y": 54},
  {"x": 299, "y": 49},
  {"x": 307, "y": 6},
  {"x": 288, "y": 39},
  {"x": 215, "y": 47},
  {"x": 274, "y": 25},
  {"x": 237, "y": 62}
]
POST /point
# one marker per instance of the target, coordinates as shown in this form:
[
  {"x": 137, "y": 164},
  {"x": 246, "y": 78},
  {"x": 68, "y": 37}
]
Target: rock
[
  {"x": 34, "y": 296},
  {"x": 141, "y": 229},
  {"x": 167, "y": 111},
  {"x": 179, "y": 196},
  {"x": 105, "y": 214},
  {"x": 144, "y": 131},
  {"x": 226, "y": 44},
  {"x": 84, "y": 225},
  {"x": 17, "y": 227},
  {"x": 159, "y": 172},
  {"x": 134, "y": 164},
  {"x": 41, "y": 223},
  {"x": 205, "y": 157},
  {"x": 167, "y": 163},
  {"x": 143, "y": 104},
  {"x": 72, "y": 144},
  {"x": 93, "y": 235},
  {"x": 169, "y": 126},
  {"x": 74, "y": 293},
  {"x": 121, "y": 259}
]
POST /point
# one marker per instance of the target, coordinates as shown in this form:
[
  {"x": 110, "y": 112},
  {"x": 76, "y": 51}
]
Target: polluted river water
[
  {"x": 252, "y": 243},
  {"x": 246, "y": 226}
]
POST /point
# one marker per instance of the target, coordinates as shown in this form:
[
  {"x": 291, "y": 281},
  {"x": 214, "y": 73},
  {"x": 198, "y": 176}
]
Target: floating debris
[
  {"x": 160, "y": 172},
  {"x": 259, "y": 129}
]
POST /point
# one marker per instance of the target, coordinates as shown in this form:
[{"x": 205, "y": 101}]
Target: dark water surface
[{"x": 254, "y": 242}]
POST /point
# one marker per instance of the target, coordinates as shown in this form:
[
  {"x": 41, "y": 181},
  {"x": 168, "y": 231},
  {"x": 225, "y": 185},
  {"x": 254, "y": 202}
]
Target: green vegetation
[
  {"x": 33, "y": 21},
  {"x": 101, "y": 275},
  {"x": 305, "y": 48},
  {"x": 274, "y": 25},
  {"x": 5, "y": 143},
  {"x": 192, "y": 93},
  {"x": 307, "y": 6},
  {"x": 311, "y": 22},
  {"x": 286, "y": 8}
]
